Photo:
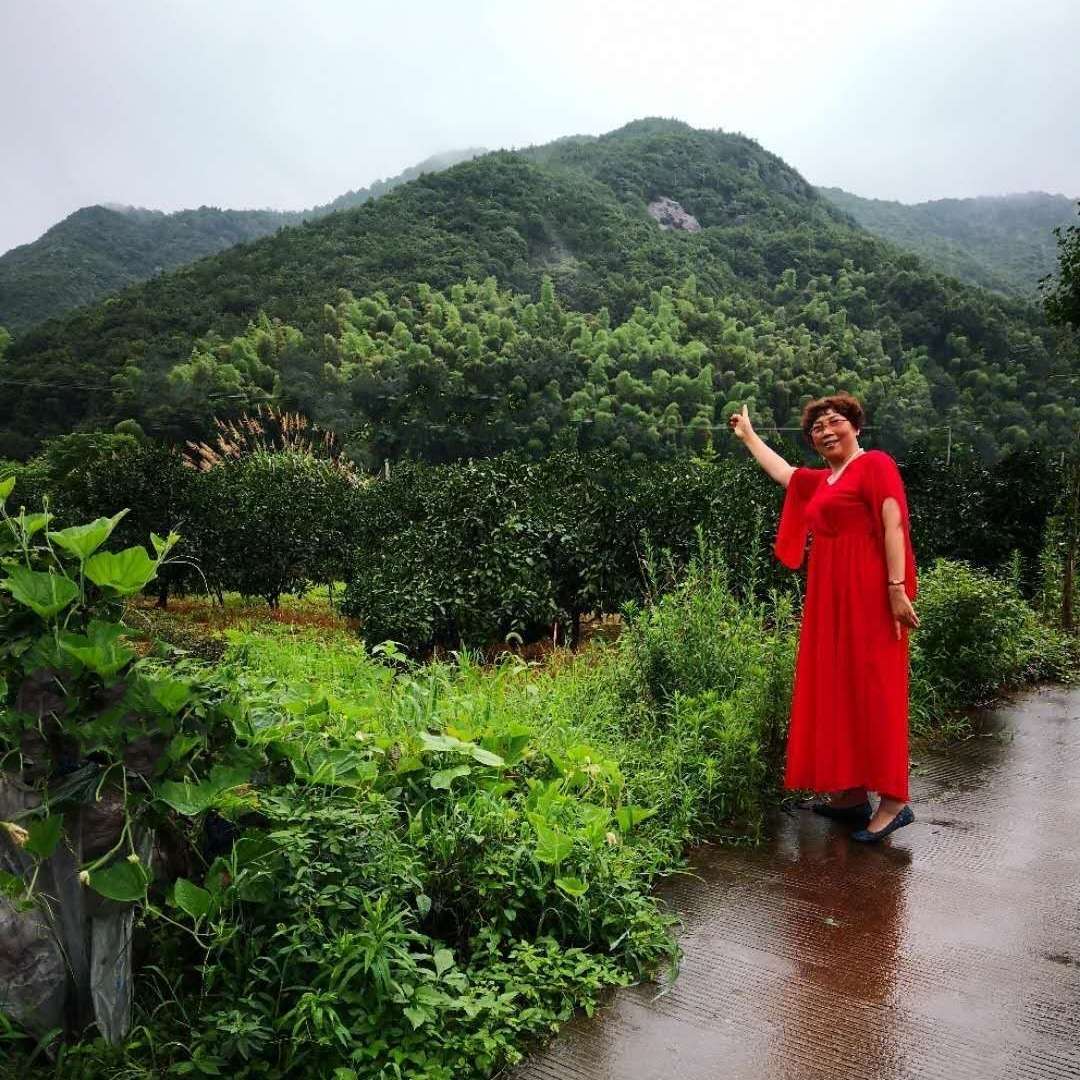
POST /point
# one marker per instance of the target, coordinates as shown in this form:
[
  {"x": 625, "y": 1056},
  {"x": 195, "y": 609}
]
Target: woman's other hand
[
  {"x": 902, "y": 612},
  {"x": 740, "y": 425}
]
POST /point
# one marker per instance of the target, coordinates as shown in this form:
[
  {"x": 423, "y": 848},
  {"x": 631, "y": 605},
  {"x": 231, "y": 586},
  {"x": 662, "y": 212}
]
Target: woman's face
[{"x": 834, "y": 436}]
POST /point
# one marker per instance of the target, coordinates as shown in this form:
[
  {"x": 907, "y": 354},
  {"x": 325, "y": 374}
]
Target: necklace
[{"x": 836, "y": 475}]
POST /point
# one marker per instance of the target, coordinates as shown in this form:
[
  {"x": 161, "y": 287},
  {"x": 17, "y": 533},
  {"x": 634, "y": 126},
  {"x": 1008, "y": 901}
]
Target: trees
[
  {"x": 1062, "y": 296},
  {"x": 272, "y": 522},
  {"x": 787, "y": 300}
]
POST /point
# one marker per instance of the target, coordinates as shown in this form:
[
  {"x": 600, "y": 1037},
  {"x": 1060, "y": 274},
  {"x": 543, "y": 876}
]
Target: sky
[{"x": 286, "y": 104}]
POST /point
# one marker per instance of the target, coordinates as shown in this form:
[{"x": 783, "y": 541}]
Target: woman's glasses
[{"x": 827, "y": 423}]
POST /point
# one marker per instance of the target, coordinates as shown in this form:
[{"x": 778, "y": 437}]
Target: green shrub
[
  {"x": 708, "y": 676},
  {"x": 464, "y": 563},
  {"x": 976, "y": 637},
  {"x": 272, "y": 522},
  {"x": 153, "y": 481},
  {"x": 471, "y": 552}
]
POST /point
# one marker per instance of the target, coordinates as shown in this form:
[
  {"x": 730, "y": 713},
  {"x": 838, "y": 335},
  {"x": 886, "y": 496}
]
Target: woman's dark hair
[{"x": 846, "y": 405}]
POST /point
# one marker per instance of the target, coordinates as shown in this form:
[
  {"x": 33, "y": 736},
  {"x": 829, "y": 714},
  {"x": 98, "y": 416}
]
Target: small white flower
[
  {"x": 133, "y": 858},
  {"x": 84, "y": 877}
]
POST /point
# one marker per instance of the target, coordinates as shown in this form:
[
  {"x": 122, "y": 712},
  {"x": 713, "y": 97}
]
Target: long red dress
[{"x": 849, "y": 708}]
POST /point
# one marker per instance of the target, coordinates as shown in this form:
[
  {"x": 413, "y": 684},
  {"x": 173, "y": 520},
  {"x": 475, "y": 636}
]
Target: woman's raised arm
[{"x": 767, "y": 458}]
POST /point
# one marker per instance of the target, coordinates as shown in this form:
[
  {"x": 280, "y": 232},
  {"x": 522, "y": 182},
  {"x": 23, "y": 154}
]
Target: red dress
[{"x": 849, "y": 707}]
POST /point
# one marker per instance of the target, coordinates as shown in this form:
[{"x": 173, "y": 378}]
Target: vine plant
[{"x": 99, "y": 737}]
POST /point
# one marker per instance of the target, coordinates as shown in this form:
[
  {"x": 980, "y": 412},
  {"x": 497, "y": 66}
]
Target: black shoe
[
  {"x": 865, "y": 836},
  {"x": 859, "y": 814}
]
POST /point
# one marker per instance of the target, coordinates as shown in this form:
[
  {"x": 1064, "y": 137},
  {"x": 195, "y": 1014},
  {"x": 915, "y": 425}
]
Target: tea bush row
[{"x": 478, "y": 550}]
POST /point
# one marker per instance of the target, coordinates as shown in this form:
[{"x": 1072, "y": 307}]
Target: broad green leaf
[
  {"x": 10, "y": 885},
  {"x": 440, "y": 742},
  {"x": 126, "y": 571},
  {"x": 250, "y": 851},
  {"x": 510, "y": 745},
  {"x": 34, "y": 523},
  {"x": 124, "y": 881},
  {"x": 191, "y": 898},
  {"x": 187, "y": 798},
  {"x": 630, "y": 816},
  {"x": 552, "y": 845},
  {"x": 448, "y": 743},
  {"x": 14, "y": 890},
  {"x": 334, "y": 766},
  {"x": 191, "y": 799},
  {"x": 430, "y": 994},
  {"x": 163, "y": 545},
  {"x": 594, "y": 820},
  {"x": 7, "y": 486},
  {"x": 572, "y": 886},
  {"x": 444, "y": 960},
  {"x": 99, "y": 648},
  {"x": 417, "y": 1017},
  {"x": 182, "y": 745},
  {"x": 83, "y": 540},
  {"x": 171, "y": 694},
  {"x": 45, "y": 835},
  {"x": 423, "y": 904},
  {"x": 485, "y": 757},
  {"x": 442, "y": 780},
  {"x": 46, "y": 593}
]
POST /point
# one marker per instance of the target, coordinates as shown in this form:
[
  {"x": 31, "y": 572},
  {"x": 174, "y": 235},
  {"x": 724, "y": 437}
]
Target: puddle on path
[{"x": 947, "y": 951}]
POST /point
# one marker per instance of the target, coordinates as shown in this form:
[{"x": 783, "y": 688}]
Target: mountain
[
  {"x": 1003, "y": 242},
  {"x": 435, "y": 163},
  {"x": 540, "y": 298},
  {"x": 100, "y": 249}
]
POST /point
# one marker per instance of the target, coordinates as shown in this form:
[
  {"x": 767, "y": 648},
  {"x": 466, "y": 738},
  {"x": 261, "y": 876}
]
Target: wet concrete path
[{"x": 951, "y": 950}]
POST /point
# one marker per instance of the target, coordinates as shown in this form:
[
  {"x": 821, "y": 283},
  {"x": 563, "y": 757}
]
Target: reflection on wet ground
[{"x": 951, "y": 950}]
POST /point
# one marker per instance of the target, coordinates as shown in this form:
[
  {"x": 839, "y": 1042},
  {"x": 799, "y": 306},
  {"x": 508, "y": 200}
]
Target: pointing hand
[{"x": 740, "y": 425}]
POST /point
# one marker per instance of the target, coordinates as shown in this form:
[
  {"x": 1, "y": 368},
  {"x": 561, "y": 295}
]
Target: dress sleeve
[
  {"x": 791, "y": 535},
  {"x": 880, "y": 481}
]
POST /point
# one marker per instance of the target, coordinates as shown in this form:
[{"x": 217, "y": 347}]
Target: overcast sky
[{"x": 285, "y": 104}]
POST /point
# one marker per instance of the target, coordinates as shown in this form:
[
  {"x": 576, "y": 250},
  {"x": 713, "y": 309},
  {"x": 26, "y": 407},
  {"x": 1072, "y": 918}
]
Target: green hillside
[
  {"x": 646, "y": 337},
  {"x": 101, "y": 249},
  {"x": 435, "y": 163},
  {"x": 1001, "y": 242}
]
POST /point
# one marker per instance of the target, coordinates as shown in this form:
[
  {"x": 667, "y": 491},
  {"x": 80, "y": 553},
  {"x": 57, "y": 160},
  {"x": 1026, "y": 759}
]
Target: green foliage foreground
[{"x": 369, "y": 868}]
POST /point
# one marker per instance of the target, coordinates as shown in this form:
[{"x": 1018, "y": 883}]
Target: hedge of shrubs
[{"x": 477, "y": 551}]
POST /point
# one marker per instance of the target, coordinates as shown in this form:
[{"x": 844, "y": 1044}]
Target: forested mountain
[
  {"x": 435, "y": 163},
  {"x": 597, "y": 323},
  {"x": 1002, "y": 242},
  {"x": 101, "y": 249}
]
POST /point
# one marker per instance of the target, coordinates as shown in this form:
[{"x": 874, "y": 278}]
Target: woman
[{"x": 849, "y": 708}]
